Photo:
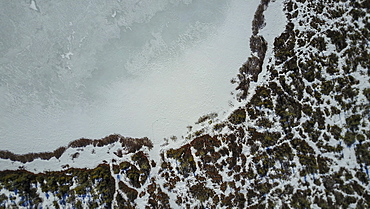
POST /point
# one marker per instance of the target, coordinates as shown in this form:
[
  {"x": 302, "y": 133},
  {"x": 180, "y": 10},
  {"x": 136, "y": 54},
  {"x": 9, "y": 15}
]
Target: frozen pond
[{"x": 72, "y": 69}]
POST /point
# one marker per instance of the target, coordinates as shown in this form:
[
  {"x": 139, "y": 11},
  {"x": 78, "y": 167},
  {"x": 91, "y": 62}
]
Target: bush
[
  {"x": 130, "y": 192},
  {"x": 201, "y": 192},
  {"x": 134, "y": 144},
  {"x": 186, "y": 159},
  {"x": 238, "y": 116}
]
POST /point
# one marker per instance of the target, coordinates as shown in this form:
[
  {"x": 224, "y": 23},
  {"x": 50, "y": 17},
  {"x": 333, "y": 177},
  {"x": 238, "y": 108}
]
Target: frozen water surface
[{"x": 72, "y": 69}]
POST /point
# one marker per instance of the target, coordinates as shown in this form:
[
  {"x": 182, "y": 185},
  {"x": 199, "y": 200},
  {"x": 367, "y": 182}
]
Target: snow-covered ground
[
  {"x": 298, "y": 139},
  {"x": 138, "y": 68}
]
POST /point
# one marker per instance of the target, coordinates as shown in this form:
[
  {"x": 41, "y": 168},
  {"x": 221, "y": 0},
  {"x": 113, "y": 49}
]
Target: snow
[
  {"x": 33, "y": 5},
  {"x": 139, "y": 68},
  {"x": 173, "y": 69}
]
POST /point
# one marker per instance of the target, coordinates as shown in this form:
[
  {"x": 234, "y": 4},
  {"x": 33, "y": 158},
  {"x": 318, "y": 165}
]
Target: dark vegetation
[
  {"x": 185, "y": 158},
  {"x": 97, "y": 180},
  {"x": 130, "y": 144},
  {"x": 253, "y": 67},
  {"x": 31, "y": 156}
]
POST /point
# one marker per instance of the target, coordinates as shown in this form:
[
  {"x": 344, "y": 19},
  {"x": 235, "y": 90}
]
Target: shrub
[
  {"x": 258, "y": 45},
  {"x": 201, "y": 192},
  {"x": 130, "y": 192},
  {"x": 186, "y": 159},
  {"x": 80, "y": 143},
  {"x": 338, "y": 39},
  {"x": 238, "y": 116},
  {"x": 134, "y": 144},
  {"x": 206, "y": 117},
  {"x": 363, "y": 153},
  {"x": 353, "y": 122},
  {"x": 31, "y": 156}
]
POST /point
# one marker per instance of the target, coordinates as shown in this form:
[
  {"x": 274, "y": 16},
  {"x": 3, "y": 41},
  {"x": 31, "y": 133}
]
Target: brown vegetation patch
[
  {"x": 31, "y": 156},
  {"x": 130, "y": 192},
  {"x": 186, "y": 159},
  {"x": 201, "y": 192},
  {"x": 205, "y": 143},
  {"x": 131, "y": 144},
  {"x": 238, "y": 116}
]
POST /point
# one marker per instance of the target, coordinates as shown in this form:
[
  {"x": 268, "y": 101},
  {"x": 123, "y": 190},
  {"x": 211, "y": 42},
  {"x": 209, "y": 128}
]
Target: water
[{"x": 92, "y": 68}]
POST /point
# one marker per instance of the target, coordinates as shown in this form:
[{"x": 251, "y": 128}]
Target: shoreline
[{"x": 298, "y": 138}]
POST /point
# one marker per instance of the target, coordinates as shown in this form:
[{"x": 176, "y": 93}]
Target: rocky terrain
[{"x": 297, "y": 138}]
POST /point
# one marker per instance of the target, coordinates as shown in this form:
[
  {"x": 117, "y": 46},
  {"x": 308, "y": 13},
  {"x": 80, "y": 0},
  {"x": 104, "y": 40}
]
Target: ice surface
[{"x": 72, "y": 69}]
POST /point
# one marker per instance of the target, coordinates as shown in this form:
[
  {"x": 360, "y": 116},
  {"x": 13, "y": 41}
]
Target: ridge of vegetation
[{"x": 130, "y": 144}]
